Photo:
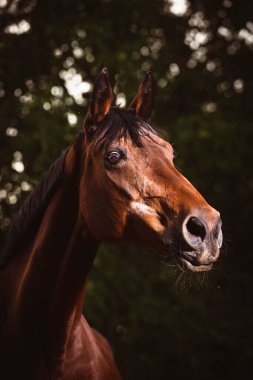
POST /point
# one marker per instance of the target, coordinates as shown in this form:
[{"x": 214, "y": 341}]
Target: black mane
[
  {"x": 27, "y": 220},
  {"x": 119, "y": 123}
]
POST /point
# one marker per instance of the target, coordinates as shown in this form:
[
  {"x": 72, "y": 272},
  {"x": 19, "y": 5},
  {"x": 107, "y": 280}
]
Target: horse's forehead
[
  {"x": 155, "y": 140},
  {"x": 152, "y": 143},
  {"x": 156, "y": 146}
]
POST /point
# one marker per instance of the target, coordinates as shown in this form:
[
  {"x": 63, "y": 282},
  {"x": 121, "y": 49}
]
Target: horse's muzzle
[{"x": 203, "y": 240}]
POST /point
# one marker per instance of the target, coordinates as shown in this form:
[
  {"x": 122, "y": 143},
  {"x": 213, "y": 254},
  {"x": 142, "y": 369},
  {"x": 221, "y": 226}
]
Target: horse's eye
[{"x": 114, "y": 157}]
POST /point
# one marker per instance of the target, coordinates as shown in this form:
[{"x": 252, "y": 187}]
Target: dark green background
[{"x": 162, "y": 324}]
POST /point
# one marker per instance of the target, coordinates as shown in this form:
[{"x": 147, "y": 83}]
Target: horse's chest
[{"x": 86, "y": 359}]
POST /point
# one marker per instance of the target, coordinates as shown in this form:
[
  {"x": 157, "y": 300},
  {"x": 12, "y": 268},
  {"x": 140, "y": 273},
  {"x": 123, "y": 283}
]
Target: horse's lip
[{"x": 187, "y": 263}]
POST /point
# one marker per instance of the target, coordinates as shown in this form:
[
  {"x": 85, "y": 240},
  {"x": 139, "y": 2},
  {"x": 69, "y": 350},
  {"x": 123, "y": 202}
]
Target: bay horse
[{"x": 116, "y": 182}]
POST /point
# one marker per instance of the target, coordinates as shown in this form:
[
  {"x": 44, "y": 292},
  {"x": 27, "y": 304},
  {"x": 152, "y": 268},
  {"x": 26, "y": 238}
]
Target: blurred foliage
[{"x": 160, "y": 323}]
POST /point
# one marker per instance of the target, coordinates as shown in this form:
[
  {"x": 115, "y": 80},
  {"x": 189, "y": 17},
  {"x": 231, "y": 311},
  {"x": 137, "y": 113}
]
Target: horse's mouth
[{"x": 187, "y": 262}]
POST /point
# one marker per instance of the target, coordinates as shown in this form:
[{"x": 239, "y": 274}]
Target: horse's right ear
[{"x": 102, "y": 97}]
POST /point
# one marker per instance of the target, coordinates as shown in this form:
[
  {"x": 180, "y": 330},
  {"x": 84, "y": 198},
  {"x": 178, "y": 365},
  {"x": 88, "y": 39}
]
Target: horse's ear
[
  {"x": 102, "y": 97},
  {"x": 143, "y": 102}
]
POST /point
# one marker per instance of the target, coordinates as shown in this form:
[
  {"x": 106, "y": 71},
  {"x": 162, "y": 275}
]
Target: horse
[{"x": 116, "y": 182}]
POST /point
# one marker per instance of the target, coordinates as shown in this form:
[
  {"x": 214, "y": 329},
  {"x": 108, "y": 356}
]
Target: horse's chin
[
  {"x": 188, "y": 262},
  {"x": 187, "y": 266}
]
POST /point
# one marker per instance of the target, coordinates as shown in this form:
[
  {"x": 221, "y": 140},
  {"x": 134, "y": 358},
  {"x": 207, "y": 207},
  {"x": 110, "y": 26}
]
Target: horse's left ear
[
  {"x": 102, "y": 97},
  {"x": 143, "y": 102}
]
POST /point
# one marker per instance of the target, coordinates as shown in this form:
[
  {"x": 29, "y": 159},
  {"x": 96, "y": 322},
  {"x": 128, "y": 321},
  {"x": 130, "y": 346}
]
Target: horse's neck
[{"x": 52, "y": 281}]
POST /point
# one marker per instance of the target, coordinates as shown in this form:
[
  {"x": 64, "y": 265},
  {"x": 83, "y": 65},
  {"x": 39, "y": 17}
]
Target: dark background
[{"x": 162, "y": 324}]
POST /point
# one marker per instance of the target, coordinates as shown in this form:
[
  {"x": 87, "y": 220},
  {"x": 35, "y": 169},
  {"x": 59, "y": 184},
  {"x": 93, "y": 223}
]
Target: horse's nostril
[{"x": 196, "y": 227}]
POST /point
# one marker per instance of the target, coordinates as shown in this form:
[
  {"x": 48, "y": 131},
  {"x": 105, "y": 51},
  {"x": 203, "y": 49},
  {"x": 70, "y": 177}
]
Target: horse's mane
[
  {"x": 26, "y": 221},
  {"x": 119, "y": 123}
]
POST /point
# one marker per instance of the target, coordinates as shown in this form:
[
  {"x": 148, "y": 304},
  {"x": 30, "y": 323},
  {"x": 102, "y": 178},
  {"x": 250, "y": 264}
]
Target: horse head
[{"x": 130, "y": 188}]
